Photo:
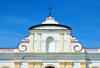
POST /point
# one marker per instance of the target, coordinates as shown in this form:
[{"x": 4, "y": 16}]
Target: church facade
[{"x": 50, "y": 45}]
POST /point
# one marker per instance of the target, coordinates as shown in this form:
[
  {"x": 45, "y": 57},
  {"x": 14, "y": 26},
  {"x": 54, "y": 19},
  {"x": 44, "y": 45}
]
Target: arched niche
[{"x": 50, "y": 44}]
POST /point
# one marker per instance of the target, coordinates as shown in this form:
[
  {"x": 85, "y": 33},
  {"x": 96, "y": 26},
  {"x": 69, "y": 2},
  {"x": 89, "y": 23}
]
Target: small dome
[{"x": 50, "y": 20}]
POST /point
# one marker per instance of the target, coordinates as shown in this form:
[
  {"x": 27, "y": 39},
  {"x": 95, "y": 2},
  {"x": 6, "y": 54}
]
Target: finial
[{"x": 50, "y": 8}]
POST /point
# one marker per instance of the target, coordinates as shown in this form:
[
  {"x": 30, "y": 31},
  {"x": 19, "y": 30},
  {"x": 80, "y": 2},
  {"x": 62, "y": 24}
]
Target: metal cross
[{"x": 50, "y": 8}]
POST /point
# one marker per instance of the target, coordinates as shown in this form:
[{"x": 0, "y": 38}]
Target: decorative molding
[
  {"x": 22, "y": 47},
  {"x": 78, "y": 50},
  {"x": 76, "y": 46}
]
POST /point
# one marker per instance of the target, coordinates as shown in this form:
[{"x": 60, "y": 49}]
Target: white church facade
[{"x": 50, "y": 45}]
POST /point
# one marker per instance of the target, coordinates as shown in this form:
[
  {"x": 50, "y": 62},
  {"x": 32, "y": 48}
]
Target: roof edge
[{"x": 50, "y": 25}]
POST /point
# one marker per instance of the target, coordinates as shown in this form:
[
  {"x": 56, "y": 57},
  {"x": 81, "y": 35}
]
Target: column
[
  {"x": 83, "y": 64},
  {"x": 31, "y": 47},
  {"x": 61, "y": 42},
  {"x": 61, "y": 64},
  {"x": 68, "y": 42},
  {"x": 69, "y": 64},
  {"x": 17, "y": 64},
  {"x": 37, "y": 64},
  {"x": 30, "y": 64},
  {"x": 38, "y": 42}
]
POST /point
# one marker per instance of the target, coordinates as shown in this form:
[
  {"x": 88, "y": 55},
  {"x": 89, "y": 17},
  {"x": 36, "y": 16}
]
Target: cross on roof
[{"x": 50, "y": 8}]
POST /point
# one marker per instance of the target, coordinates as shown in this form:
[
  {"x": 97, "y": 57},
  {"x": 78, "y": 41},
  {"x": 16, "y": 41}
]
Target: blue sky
[{"x": 16, "y": 16}]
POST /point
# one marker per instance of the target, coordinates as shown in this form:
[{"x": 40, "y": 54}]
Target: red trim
[
  {"x": 74, "y": 42},
  {"x": 22, "y": 50},
  {"x": 78, "y": 50},
  {"x": 76, "y": 45},
  {"x": 50, "y": 59},
  {"x": 50, "y": 25},
  {"x": 26, "y": 36},
  {"x": 50, "y": 29},
  {"x": 84, "y": 47},
  {"x": 73, "y": 37},
  {"x": 8, "y": 48},
  {"x": 21, "y": 45},
  {"x": 25, "y": 41},
  {"x": 91, "y": 47}
]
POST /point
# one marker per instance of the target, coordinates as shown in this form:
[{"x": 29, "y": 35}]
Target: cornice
[{"x": 42, "y": 54}]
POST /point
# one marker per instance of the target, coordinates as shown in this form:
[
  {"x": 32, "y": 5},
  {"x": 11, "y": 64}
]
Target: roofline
[{"x": 50, "y": 25}]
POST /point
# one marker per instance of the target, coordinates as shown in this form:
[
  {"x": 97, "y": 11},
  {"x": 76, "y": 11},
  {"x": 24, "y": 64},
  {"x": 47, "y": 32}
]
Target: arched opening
[
  {"x": 50, "y": 45},
  {"x": 50, "y": 67},
  {"x": 5, "y": 67},
  {"x": 95, "y": 66}
]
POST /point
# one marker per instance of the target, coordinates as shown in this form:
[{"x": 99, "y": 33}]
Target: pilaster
[
  {"x": 37, "y": 64},
  {"x": 69, "y": 64},
  {"x": 38, "y": 42},
  {"x": 61, "y": 64},
  {"x": 83, "y": 64},
  {"x": 68, "y": 42},
  {"x": 17, "y": 64},
  {"x": 61, "y": 42},
  {"x": 31, "y": 47},
  {"x": 30, "y": 64}
]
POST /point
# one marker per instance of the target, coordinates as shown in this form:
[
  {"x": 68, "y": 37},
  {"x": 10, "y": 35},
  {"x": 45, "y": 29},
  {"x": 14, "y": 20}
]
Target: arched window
[
  {"x": 50, "y": 66},
  {"x": 5, "y": 67},
  {"x": 50, "y": 45},
  {"x": 95, "y": 66}
]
